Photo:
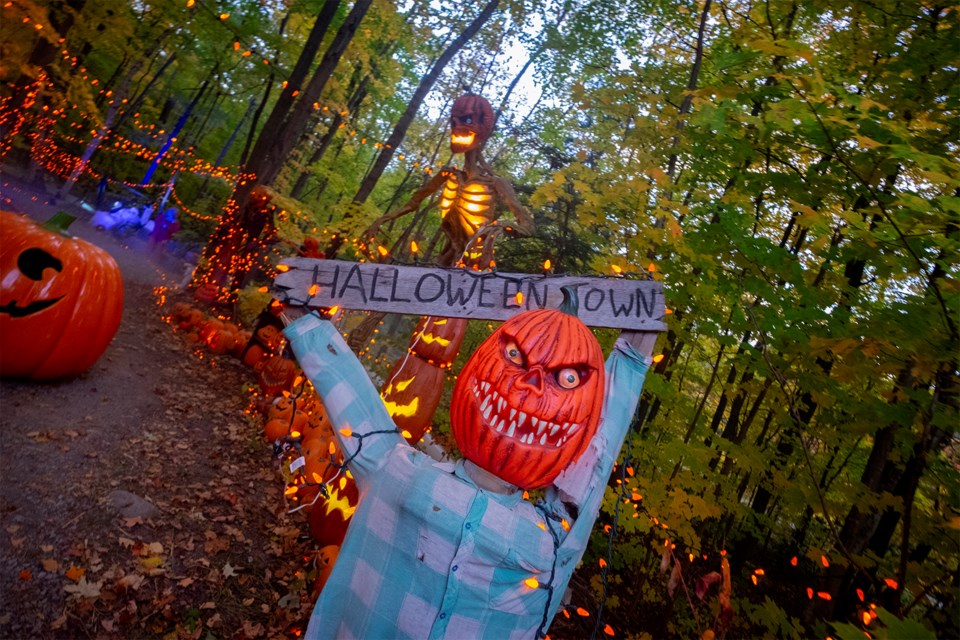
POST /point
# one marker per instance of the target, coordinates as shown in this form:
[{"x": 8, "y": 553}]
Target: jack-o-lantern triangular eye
[{"x": 32, "y": 263}]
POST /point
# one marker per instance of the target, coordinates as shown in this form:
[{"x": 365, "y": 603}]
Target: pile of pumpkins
[{"x": 294, "y": 420}]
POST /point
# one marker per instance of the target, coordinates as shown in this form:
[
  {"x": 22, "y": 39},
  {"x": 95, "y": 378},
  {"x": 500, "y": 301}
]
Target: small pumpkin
[
  {"x": 528, "y": 401},
  {"x": 61, "y": 299},
  {"x": 281, "y": 408},
  {"x": 270, "y": 337},
  {"x": 207, "y": 292},
  {"x": 317, "y": 454},
  {"x": 277, "y": 375},
  {"x": 222, "y": 341},
  {"x": 326, "y": 558},
  {"x": 318, "y": 422},
  {"x": 254, "y": 355},
  {"x": 192, "y": 319},
  {"x": 277, "y": 428},
  {"x": 243, "y": 337}
]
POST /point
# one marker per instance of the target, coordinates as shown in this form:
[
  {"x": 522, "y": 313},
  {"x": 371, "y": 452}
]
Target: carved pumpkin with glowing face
[
  {"x": 528, "y": 401},
  {"x": 61, "y": 299},
  {"x": 471, "y": 123}
]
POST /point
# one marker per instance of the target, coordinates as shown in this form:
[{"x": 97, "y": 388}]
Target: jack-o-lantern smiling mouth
[
  {"x": 464, "y": 139},
  {"x": 516, "y": 424},
  {"x": 15, "y": 311}
]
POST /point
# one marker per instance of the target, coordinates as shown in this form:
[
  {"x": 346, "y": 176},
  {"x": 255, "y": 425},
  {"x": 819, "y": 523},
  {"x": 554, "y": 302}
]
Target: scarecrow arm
[{"x": 360, "y": 421}]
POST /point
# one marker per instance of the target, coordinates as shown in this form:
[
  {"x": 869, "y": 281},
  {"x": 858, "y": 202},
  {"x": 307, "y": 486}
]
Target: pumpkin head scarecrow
[
  {"x": 61, "y": 299},
  {"x": 453, "y": 550}
]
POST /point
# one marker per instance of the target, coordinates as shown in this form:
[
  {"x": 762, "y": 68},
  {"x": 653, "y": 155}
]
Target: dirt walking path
[{"x": 139, "y": 500}]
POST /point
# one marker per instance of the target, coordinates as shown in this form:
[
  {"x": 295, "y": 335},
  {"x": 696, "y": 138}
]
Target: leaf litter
[{"x": 222, "y": 560}]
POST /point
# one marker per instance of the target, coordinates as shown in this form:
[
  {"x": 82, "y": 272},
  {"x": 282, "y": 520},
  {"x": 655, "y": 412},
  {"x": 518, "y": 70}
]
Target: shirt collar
[{"x": 509, "y": 496}]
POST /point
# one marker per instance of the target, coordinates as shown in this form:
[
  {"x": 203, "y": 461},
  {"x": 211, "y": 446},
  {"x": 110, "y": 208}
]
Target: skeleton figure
[{"x": 468, "y": 197}]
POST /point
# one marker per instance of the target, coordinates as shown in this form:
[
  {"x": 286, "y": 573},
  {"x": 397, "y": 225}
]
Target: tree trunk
[
  {"x": 267, "y": 165},
  {"x": 275, "y": 121},
  {"x": 352, "y": 106}
]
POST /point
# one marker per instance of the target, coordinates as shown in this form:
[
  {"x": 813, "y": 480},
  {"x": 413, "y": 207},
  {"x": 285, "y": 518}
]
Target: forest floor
[{"x": 139, "y": 500}]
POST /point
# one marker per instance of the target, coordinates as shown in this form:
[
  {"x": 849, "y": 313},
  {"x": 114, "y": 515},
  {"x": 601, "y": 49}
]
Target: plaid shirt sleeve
[
  {"x": 584, "y": 482},
  {"x": 351, "y": 401}
]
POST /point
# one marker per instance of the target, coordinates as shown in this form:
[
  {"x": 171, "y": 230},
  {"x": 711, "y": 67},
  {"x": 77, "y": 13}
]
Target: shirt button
[
  {"x": 442, "y": 616},
  {"x": 468, "y": 525},
  {"x": 455, "y": 567}
]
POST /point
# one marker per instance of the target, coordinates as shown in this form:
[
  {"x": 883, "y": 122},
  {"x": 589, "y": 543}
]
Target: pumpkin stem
[
  {"x": 59, "y": 222},
  {"x": 571, "y": 303}
]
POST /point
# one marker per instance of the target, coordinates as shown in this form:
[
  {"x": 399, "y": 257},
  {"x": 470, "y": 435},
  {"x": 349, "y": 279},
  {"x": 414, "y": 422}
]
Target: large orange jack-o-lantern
[
  {"x": 528, "y": 400},
  {"x": 61, "y": 299},
  {"x": 471, "y": 123}
]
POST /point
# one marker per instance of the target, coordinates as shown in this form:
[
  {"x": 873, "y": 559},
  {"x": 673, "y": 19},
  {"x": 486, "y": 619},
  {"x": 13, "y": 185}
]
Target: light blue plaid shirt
[{"x": 428, "y": 553}]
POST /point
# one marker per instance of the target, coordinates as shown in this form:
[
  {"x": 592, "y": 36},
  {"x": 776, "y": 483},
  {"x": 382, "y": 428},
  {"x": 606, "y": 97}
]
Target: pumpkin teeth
[{"x": 492, "y": 407}]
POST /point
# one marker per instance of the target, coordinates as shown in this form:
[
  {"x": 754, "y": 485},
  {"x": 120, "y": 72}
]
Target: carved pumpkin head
[
  {"x": 61, "y": 299},
  {"x": 528, "y": 401},
  {"x": 471, "y": 123}
]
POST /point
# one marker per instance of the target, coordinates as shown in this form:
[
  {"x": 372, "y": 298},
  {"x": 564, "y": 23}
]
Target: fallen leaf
[
  {"x": 289, "y": 601},
  {"x": 131, "y": 581},
  {"x": 46, "y": 548},
  {"x": 49, "y": 564},
  {"x": 59, "y": 622},
  {"x": 85, "y": 589},
  {"x": 75, "y": 573},
  {"x": 153, "y": 562},
  {"x": 186, "y": 582},
  {"x": 228, "y": 571},
  {"x": 155, "y": 548},
  {"x": 26, "y": 574}
]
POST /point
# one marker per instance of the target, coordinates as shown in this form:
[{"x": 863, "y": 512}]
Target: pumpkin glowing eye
[
  {"x": 513, "y": 353},
  {"x": 468, "y": 120},
  {"x": 568, "y": 378}
]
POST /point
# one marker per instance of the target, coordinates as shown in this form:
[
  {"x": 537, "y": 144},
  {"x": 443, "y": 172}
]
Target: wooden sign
[{"x": 619, "y": 303}]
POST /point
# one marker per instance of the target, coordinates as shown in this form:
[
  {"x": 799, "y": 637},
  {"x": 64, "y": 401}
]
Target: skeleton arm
[
  {"x": 523, "y": 220},
  {"x": 435, "y": 183}
]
